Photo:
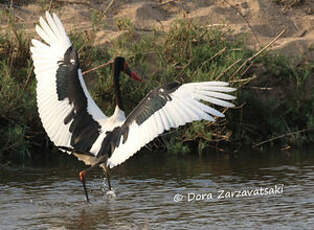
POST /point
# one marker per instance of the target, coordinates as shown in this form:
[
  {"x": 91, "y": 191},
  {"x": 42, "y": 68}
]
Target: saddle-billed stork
[{"x": 75, "y": 124}]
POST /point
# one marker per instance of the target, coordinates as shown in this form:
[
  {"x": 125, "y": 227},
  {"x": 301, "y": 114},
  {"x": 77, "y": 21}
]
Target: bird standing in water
[{"x": 75, "y": 124}]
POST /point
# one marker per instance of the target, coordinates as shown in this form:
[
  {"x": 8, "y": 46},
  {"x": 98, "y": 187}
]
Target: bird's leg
[
  {"x": 82, "y": 179},
  {"x": 82, "y": 175},
  {"x": 107, "y": 172}
]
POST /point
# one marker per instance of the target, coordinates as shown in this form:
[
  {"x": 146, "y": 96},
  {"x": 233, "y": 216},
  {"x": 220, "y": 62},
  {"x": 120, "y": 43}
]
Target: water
[{"x": 51, "y": 196}]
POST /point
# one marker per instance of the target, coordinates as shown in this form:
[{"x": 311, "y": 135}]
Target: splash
[{"x": 111, "y": 194}]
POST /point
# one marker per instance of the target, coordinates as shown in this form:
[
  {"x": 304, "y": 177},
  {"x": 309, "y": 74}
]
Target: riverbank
[{"x": 275, "y": 98}]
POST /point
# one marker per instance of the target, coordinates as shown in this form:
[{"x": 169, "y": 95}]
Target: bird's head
[{"x": 121, "y": 65}]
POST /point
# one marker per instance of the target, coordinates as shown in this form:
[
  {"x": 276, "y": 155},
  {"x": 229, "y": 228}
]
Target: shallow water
[{"x": 216, "y": 191}]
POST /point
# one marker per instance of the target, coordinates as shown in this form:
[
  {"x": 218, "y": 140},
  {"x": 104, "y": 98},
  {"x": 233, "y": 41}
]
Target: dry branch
[
  {"x": 166, "y": 2},
  {"x": 227, "y": 69},
  {"x": 97, "y": 67},
  {"x": 109, "y": 6},
  {"x": 73, "y": 2},
  {"x": 28, "y": 77},
  {"x": 217, "y": 54},
  {"x": 258, "y": 53},
  {"x": 281, "y": 136}
]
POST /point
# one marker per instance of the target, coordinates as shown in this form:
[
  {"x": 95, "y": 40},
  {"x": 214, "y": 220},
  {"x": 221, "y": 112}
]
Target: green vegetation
[
  {"x": 275, "y": 98},
  {"x": 279, "y": 105}
]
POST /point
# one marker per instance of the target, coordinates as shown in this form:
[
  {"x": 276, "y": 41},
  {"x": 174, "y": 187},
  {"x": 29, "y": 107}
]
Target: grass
[{"x": 188, "y": 52}]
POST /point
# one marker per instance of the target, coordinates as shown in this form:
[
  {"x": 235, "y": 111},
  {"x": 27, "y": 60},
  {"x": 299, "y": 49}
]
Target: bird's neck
[{"x": 117, "y": 91}]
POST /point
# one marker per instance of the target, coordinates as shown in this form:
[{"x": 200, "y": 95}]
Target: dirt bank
[{"x": 260, "y": 19}]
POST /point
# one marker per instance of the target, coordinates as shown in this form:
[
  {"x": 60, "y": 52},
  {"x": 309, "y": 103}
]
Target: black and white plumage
[{"x": 73, "y": 120}]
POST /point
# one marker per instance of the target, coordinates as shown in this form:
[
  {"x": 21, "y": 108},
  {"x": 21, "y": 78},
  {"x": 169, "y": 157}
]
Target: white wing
[
  {"x": 47, "y": 58},
  {"x": 165, "y": 108}
]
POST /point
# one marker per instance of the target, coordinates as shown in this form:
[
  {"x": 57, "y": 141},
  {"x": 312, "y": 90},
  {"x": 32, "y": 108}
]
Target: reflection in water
[{"x": 51, "y": 197}]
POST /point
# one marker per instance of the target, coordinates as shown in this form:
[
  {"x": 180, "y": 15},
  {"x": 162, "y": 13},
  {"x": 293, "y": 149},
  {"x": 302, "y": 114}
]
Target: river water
[{"x": 247, "y": 190}]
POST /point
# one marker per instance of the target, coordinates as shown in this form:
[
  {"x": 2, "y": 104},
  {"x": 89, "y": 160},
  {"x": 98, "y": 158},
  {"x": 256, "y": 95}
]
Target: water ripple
[{"x": 52, "y": 198}]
